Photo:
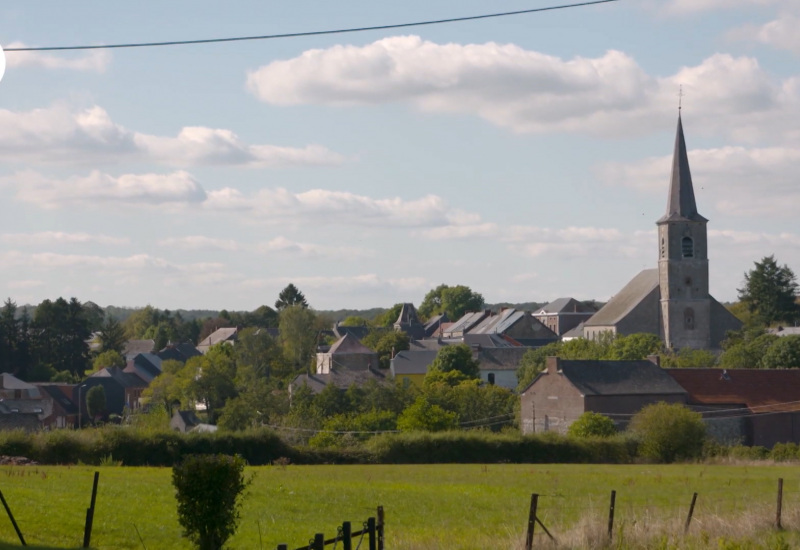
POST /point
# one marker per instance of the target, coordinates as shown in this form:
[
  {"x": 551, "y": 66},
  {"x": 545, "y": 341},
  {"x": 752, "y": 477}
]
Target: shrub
[
  {"x": 784, "y": 452},
  {"x": 669, "y": 432},
  {"x": 209, "y": 490},
  {"x": 592, "y": 424}
]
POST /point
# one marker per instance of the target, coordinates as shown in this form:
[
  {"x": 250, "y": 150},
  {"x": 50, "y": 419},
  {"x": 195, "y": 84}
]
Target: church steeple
[{"x": 680, "y": 203}]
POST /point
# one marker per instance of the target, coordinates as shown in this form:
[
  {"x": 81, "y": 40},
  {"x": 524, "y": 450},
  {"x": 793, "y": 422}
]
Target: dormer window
[{"x": 687, "y": 247}]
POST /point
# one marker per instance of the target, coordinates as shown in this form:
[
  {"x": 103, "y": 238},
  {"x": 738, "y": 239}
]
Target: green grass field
[{"x": 432, "y": 506}]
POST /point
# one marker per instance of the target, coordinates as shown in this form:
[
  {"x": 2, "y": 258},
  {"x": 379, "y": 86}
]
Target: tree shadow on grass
[{"x": 9, "y": 546}]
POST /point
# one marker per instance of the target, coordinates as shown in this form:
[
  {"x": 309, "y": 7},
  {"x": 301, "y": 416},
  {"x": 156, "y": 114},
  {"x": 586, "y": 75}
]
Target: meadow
[{"x": 427, "y": 507}]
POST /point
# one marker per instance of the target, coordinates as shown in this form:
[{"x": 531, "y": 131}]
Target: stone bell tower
[{"x": 683, "y": 261}]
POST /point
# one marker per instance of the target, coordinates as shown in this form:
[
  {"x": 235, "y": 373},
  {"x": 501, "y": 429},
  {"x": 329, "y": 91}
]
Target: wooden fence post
[
  {"x": 611, "y": 515},
  {"x": 689, "y": 517},
  {"x": 373, "y": 543},
  {"x": 347, "y": 536},
  {"x": 283, "y": 547},
  {"x": 87, "y": 529},
  {"x": 319, "y": 542},
  {"x": 380, "y": 528},
  {"x": 780, "y": 504},
  {"x": 11, "y": 517},
  {"x": 531, "y": 521}
]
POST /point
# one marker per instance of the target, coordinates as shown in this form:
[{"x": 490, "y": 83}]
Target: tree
[
  {"x": 424, "y": 416},
  {"x": 592, "y": 424},
  {"x": 388, "y": 317},
  {"x": 298, "y": 334},
  {"x": 669, "y": 432},
  {"x": 112, "y": 336},
  {"x": 290, "y": 296},
  {"x": 770, "y": 292},
  {"x": 354, "y": 321},
  {"x": 108, "y": 359},
  {"x": 61, "y": 333},
  {"x": 386, "y": 343},
  {"x": 455, "y": 301},
  {"x": 455, "y": 358},
  {"x": 209, "y": 490},
  {"x": 784, "y": 353},
  {"x": 96, "y": 401},
  {"x": 633, "y": 347},
  {"x": 15, "y": 354},
  {"x": 687, "y": 358}
]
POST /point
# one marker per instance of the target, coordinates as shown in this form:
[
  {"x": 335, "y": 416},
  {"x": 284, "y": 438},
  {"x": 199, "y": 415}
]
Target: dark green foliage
[
  {"x": 687, "y": 358},
  {"x": 592, "y": 424},
  {"x": 455, "y": 358},
  {"x": 385, "y": 343},
  {"x": 669, "y": 432},
  {"x": 60, "y": 332},
  {"x": 455, "y": 301},
  {"x": 485, "y": 447},
  {"x": 112, "y": 336},
  {"x": 209, "y": 490},
  {"x": 423, "y": 415},
  {"x": 290, "y": 296},
  {"x": 96, "y": 401},
  {"x": 784, "y": 353},
  {"x": 770, "y": 292}
]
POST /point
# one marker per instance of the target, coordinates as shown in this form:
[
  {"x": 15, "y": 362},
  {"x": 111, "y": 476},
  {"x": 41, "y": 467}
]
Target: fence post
[
  {"x": 380, "y": 528},
  {"x": 87, "y": 529},
  {"x": 347, "y": 536},
  {"x": 531, "y": 521},
  {"x": 611, "y": 515},
  {"x": 689, "y": 517},
  {"x": 11, "y": 517},
  {"x": 780, "y": 504},
  {"x": 371, "y": 531},
  {"x": 283, "y": 547},
  {"x": 319, "y": 541}
]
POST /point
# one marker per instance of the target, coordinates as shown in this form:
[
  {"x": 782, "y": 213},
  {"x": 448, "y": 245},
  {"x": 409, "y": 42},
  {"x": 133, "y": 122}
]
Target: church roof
[
  {"x": 681, "y": 205},
  {"x": 626, "y": 299}
]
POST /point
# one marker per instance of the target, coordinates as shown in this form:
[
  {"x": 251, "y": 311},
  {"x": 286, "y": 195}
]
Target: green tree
[
  {"x": 96, "y": 402},
  {"x": 15, "y": 352},
  {"x": 61, "y": 332},
  {"x": 108, "y": 359},
  {"x": 290, "y": 296},
  {"x": 770, "y": 292},
  {"x": 455, "y": 301},
  {"x": 592, "y": 424},
  {"x": 669, "y": 432},
  {"x": 386, "y": 343},
  {"x": 112, "y": 336},
  {"x": 388, "y": 317},
  {"x": 215, "y": 382},
  {"x": 687, "y": 358},
  {"x": 455, "y": 358},
  {"x": 746, "y": 349},
  {"x": 298, "y": 334},
  {"x": 424, "y": 416},
  {"x": 354, "y": 321},
  {"x": 633, "y": 347},
  {"x": 209, "y": 490},
  {"x": 784, "y": 353}
]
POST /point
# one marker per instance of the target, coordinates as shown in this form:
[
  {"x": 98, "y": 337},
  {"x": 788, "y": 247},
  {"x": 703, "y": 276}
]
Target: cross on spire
[{"x": 680, "y": 96}]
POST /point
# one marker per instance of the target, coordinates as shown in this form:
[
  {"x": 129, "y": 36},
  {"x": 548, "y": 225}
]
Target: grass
[{"x": 428, "y": 507}]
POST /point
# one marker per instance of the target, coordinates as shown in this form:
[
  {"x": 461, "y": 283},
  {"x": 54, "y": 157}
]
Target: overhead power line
[{"x": 308, "y": 33}]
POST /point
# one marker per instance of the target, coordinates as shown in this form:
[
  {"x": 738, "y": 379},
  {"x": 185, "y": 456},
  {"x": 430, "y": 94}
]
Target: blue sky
[{"x": 526, "y": 157}]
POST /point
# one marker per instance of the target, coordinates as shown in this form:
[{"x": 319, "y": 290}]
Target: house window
[
  {"x": 688, "y": 319},
  {"x": 490, "y": 377},
  {"x": 687, "y": 247}
]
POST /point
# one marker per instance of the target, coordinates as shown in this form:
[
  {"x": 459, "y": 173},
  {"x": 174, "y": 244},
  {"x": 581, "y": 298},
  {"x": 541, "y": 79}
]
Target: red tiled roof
[{"x": 760, "y": 390}]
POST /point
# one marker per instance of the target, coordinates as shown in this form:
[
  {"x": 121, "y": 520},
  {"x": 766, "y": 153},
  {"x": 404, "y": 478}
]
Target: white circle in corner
[{"x": 2, "y": 63}]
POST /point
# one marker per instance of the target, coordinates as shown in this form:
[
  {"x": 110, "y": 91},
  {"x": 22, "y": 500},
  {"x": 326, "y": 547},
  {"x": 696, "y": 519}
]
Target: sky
[{"x": 526, "y": 157}]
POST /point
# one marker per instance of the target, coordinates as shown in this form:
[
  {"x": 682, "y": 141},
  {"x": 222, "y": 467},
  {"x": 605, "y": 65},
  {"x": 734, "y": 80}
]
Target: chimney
[{"x": 553, "y": 365}]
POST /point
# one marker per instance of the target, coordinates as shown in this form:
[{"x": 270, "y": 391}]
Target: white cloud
[
  {"x": 527, "y": 91},
  {"x": 781, "y": 33},
  {"x": 278, "y": 245},
  {"x": 744, "y": 181},
  {"x": 457, "y": 232},
  {"x": 576, "y": 242},
  {"x": 49, "y": 238},
  {"x": 58, "y": 134},
  {"x": 98, "y": 188},
  {"x": 199, "y": 242},
  {"x": 24, "y": 284},
  {"x": 354, "y": 285},
  {"x": 94, "y": 60},
  {"x": 682, "y": 7}
]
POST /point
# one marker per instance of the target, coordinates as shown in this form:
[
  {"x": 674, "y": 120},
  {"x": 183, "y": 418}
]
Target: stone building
[{"x": 673, "y": 300}]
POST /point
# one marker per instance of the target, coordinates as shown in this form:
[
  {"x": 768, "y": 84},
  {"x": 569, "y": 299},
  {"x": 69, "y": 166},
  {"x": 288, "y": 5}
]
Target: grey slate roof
[
  {"x": 626, "y": 299},
  {"x": 501, "y": 358},
  {"x": 359, "y": 332},
  {"x": 412, "y": 362},
  {"x": 135, "y": 347},
  {"x": 342, "y": 379},
  {"x": 435, "y": 323},
  {"x": 565, "y": 305},
  {"x": 466, "y": 322},
  {"x": 576, "y": 332},
  {"x": 349, "y": 344},
  {"x": 57, "y": 395},
  {"x": 681, "y": 205},
  {"x": 178, "y": 352},
  {"x": 125, "y": 379},
  {"x": 487, "y": 340},
  {"x": 619, "y": 378},
  {"x": 220, "y": 335}
]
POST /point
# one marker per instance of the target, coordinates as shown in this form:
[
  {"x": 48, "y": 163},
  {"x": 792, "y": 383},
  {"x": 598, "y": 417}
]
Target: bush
[
  {"x": 592, "y": 424},
  {"x": 209, "y": 490},
  {"x": 669, "y": 432}
]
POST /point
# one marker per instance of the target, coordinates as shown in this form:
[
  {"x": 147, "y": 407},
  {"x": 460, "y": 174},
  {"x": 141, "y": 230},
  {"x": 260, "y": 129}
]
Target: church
[{"x": 672, "y": 300}]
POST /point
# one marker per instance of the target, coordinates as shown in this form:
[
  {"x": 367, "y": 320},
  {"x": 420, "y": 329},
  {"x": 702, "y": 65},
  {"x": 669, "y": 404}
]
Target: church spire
[{"x": 680, "y": 203}]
